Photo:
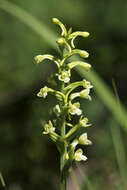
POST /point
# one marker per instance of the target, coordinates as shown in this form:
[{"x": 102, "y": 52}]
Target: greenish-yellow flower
[
  {"x": 78, "y": 156},
  {"x": 48, "y": 128},
  {"x": 84, "y": 140}
]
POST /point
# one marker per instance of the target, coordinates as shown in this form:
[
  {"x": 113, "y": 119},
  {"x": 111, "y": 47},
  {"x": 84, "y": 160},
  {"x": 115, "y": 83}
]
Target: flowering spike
[{"x": 63, "y": 132}]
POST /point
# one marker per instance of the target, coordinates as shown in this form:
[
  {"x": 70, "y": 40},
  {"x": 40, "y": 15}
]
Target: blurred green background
[{"x": 29, "y": 160}]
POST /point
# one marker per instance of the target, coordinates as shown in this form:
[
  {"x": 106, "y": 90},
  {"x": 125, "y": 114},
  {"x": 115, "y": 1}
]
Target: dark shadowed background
[{"x": 29, "y": 160}]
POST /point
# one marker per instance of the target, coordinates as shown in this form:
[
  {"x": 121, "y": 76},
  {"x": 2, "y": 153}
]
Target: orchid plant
[{"x": 63, "y": 131}]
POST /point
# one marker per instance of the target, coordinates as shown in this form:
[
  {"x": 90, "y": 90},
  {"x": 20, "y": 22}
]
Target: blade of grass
[
  {"x": 119, "y": 145},
  {"x": 102, "y": 90},
  {"x": 2, "y": 180},
  {"x": 120, "y": 153}
]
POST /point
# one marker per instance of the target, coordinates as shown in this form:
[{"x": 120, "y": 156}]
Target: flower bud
[
  {"x": 61, "y": 41},
  {"x": 75, "y": 34},
  {"x": 82, "y": 53},
  {"x": 67, "y": 157},
  {"x": 39, "y": 58},
  {"x": 64, "y": 31},
  {"x": 84, "y": 65}
]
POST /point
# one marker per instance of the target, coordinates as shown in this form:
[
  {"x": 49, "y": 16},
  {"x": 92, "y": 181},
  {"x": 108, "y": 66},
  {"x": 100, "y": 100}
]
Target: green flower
[
  {"x": 85, "y": 94},
  {"x": 74, "y": 109},
  {"x": 78, "y": 156},
  {"x": 84, "y": 140},
  {"x": 44, "y": 92},
  {"x": 83, "y": 122},
  {"x": 86, "y": 84},
  {"x": 48, "y": 128},
  {"x": 64, "y": 76}
]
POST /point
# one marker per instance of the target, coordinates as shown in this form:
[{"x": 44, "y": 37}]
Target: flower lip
[
  {"x": 64, "y": 76},
  {"x": 74, "y": 109},
  {"x": 43, "y": 92}
]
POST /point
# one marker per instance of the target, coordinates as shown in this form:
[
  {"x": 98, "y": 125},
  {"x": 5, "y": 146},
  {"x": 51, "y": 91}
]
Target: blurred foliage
[{"x": 28, "y": 160}]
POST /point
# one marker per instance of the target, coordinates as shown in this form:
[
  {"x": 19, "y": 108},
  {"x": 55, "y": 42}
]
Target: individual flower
[
  {"x": 44, "y": 92},
  {"x": 74, "y": 109},
  {"x": 84, "y": 140},
  {"x": 78, "y": 156},
  {"x": 57, "y": 110},
  {"x": 83, "y": 122},
  {"x": 86, "y": 84},
  {"x": 64, "y": 76},
  {"x": 48, "y": 128},
  {"x": 85, "y": 94}
]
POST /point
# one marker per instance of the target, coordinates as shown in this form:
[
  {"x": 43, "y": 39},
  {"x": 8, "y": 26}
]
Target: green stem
[
  {"x": 63, "y": 157},
  {"x": 63, "y": 152}
]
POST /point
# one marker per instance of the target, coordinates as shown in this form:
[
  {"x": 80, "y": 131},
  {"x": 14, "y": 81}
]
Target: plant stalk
[
  {"x": 63, "y": 152},
  {"x": 63, "y": 158}
]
